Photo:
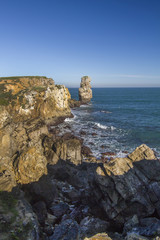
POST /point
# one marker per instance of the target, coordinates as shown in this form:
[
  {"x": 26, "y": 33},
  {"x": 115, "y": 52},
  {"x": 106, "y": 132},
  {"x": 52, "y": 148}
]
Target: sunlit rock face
[
  {"x": 85, "y": 92},
  {"x": 27, "y": 105}
]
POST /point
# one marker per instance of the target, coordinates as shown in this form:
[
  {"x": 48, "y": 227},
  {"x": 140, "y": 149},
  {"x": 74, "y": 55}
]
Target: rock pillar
[{"x": 85, "y": 92}]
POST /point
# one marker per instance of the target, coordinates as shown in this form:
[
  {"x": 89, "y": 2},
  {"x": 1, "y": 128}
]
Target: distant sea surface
[{"x": 118, "y": 119}]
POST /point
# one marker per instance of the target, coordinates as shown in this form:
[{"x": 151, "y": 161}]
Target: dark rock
[
  {"x": 66, "y": 230},
  {"x": 74, "y": 103},
  {"x": 94, "y": 134},
  {"x": 43, "y": 190},
  {"x": 82, "y": 132},
  {"x": 90, "y": 226},
  {"x": 86, "y": 151},
  {"x": 109, "y": 153},
  {"x": 41, "y": 211},
  {"x": 59, "y": 209}
]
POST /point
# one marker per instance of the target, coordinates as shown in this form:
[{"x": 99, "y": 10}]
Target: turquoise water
[{"x": 122, "y": 118}]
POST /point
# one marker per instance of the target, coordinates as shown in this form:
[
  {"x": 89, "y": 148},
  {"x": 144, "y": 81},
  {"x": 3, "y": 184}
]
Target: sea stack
[{"x": 85, "y": 92}]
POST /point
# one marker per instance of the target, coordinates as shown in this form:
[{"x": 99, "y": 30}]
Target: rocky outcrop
[
  {"x": 27, "y": 105},
  {"x": 130, "y": 185},
  {"x": 67, "y": 148},
  {"x": 85, "y": 92},
  {"x": 17, "y": 219}
]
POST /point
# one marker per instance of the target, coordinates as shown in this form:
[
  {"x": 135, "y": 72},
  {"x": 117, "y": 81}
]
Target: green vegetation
[
  {"x": 39, "y": 88},
  {"x": 16, "y": 77}
]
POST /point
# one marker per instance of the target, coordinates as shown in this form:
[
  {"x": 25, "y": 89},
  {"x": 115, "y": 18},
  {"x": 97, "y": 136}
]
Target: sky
[{"x": 115, "y": 42}]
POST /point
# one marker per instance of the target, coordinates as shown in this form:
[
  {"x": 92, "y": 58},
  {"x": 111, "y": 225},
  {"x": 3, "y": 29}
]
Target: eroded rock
[{"x": 85, "y": 92}]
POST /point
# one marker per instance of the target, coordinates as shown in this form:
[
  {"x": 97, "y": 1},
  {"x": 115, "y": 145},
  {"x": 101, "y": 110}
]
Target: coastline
[{"x": 54, "y": 188}]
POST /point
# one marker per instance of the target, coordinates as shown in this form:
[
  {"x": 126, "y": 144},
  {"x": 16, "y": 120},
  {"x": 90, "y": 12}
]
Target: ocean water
[{"x": 118, "y": 119}]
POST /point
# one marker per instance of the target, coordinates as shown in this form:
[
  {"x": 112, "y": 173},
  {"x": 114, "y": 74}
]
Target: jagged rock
[
  {"x": 68, "y": 230},
  {"x": 90, "y": 226},
  {"x": 74, "y": 103},
  {"x": 59, "y": 209},
  {"x": 135, "y": 236},
  {"x": 17, "y": 219},
  {"x": 67, "y": 148},
  {"x": 142, "y": 152},
  {"x": 85, "y": 92},
  {"x": 130, "y": 187},
  {"x": 27, "y": 104}
]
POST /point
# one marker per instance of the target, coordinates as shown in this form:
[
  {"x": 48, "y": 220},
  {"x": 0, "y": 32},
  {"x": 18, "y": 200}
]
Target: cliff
[{"x": 27, "y": 105}]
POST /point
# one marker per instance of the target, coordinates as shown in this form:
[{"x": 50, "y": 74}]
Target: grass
[
  {"x": 16, "y": 77},
  {"x": 39, "y": 88}
]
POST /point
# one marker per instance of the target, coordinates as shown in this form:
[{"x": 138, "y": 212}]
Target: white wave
[
  {"x": 104, "y": 126},
  {"x": 105, "y": 111},
  {"x": 112, "y": 128},
  {"x": 101, "y": 126},
  {"x": 71, "y": 119},
  {"x": 82, "y": 106}
]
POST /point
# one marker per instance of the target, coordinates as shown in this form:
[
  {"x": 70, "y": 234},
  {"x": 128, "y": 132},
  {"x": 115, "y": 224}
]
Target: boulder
[{"x": 142, "y": 152}]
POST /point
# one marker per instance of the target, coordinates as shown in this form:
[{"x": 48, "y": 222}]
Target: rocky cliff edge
[{"x": 27, "y": 106}]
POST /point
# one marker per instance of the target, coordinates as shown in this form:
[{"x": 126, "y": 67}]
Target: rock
[
  {"x": 86, "y": 151},
  {"x": 82, "y": 132},
  {"x": 28, "y": 104},
  {"x": 134, "y": 236},
  {"x": 94, "y": 134},
  {"x": 43, "y": 190},
  {"x": 109, "y": 153},
  {"x": 85, "y": 92},
  {"x": 130, "y": 224},
  {"x": 90, "y": 226},
  {"x": 17, "y": 220},
  {"x": 51, "y": 219},
  {"x": 74, "y": 103},
  {"x": 30, "y": 166},
  {"x": 68, "y": 149},
  {"x": 99, "y": 236},
  {"x": 129, "y": 186},
  {"x": 142, "y": 152},
  {"x": 41, "y": 211},
  {"x": 68, "y": 230},
  {"x": 59, "y": 209},
  {"x": 152, "y": 230}
]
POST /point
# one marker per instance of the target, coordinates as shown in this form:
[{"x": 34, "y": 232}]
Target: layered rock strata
[
  {"x": 85, "y": 92},
  {"x": 27, "y": 105}
]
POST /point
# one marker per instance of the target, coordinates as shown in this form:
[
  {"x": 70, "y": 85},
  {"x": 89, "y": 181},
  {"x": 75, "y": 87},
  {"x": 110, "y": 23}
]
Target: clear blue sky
[{"x": 115, "y": 42}]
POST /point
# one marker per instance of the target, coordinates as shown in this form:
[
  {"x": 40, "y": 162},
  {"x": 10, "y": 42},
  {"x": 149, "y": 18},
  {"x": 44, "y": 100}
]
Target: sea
[{"x": 118, "y": 120}]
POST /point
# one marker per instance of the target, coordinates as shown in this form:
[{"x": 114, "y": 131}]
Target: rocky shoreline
[{"x": 52, "y": 188}]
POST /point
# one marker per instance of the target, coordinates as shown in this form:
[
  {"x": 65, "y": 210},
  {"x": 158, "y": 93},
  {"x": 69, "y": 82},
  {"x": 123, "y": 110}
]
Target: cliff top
[{"x": 12, "y": 88}]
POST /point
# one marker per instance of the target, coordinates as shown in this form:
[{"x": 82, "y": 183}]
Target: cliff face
[{"x": 27, "y": 105}]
